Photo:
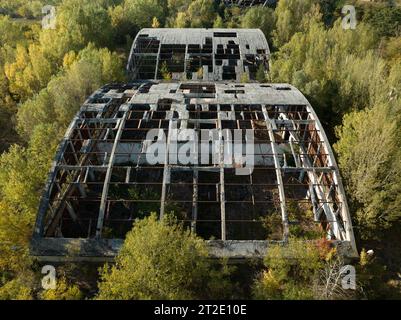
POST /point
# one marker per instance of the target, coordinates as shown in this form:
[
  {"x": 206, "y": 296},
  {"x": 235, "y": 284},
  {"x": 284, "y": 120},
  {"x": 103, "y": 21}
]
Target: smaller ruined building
[{"x": 198, "y": 54}]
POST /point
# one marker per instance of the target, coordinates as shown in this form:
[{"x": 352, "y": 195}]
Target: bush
[
  {"x": 161, "y": 260},
  {"x": 291, "y": 272}
]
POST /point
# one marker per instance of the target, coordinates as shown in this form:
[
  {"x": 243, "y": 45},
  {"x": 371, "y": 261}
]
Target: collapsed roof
[
  {"x": 103, "y": 180},
  {"x": 198, "y": 54}
]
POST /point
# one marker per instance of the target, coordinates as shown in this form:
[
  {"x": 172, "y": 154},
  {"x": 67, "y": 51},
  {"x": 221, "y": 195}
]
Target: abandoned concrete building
[
  {"x": 198, "y": 54},
  {"x": 102, "y": 180}
]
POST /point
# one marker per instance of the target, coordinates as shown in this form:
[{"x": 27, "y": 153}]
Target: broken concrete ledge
[{"x": 103, "y": 250}]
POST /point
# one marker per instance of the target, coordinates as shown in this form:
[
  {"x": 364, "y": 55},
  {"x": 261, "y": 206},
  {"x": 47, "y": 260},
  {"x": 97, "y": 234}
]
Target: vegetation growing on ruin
[{"x": 351, "y": 77}]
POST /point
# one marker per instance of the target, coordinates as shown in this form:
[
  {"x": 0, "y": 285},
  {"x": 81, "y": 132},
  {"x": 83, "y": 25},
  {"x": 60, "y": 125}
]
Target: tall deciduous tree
[
  {"x": 369, "y": 156},
  {"x": 259, "y": 18},
  {"x": 140, "y": 13},
  {"x": 291, "y": 17},
  {"x": 66, "y": 92},
  {"x": 199, "y": 14},
  {"x": 160, "y": 260},
  {"x": 23, "y": 173},
  {"x": 290, "y": 274}
]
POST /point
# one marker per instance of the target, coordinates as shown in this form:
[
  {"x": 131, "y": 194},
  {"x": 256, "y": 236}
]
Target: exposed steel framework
[
  {"x": 198, "y": 54},
  {"x": 101, "y": 181}
]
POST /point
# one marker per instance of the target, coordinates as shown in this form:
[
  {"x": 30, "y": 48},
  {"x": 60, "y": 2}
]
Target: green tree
[
  {"x": 88, "y": 20},
  {"x": 155, "y": 23},
  {"x": 178, "y": 5},
  {"x": 218, "y": 22},
  {"x": 369, "y": 157},
  {"x": 8, "y": 108},
  {"x": 28, "y": 73},
  {"x": 261, "y": 74},
  {"x": 232, "y": 17},
  {"x": 23, "y": 172},
  {"x": 161, "y": 260},
  {"x": 77, "y": 24},
  {"x": 392, "y": 50},
  {"x": 259, "y": 18},
  {"x": 338, "y": 70},
  {"x": 66, "y": 92},
  {"x": 244, "y": 78},
  {"x": 291, "y": 272},
  {"x": 386, "y": 20},
  {"x": 373, "y": 277},
  {"x": 11, "y": 36},
  {"x": 11, "y": 33},
  {"x": 141, "y": 13},
  {"x": 19, "y": 288},
  {"x": 164, "y": 71},
  {"x": 291, "y": 17},
  {"x": 181, "y": 21},
  {"x": 63, "y": 291},
  {"x": 200, "y": 14}
]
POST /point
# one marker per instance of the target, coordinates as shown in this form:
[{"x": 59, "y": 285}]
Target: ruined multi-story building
[{"x": 283, "y": 181}]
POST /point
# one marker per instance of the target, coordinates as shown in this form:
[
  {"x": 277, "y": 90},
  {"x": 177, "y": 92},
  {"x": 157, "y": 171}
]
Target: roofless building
[
  {"x": 107, "y": 172},
  {"x": 198, "y": 54}
]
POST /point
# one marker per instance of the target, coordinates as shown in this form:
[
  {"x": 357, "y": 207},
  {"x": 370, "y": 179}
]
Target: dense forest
[{"x": 351, "y": 77}]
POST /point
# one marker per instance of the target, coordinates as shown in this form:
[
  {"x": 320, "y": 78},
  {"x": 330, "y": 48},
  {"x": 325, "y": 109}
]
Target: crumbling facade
[
  {"x": 102, "y": 179},
  {"x": 198, "y": 54}
]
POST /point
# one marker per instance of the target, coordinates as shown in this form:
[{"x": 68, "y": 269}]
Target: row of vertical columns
[
  {"x": 222, "y": 186},
  {"x": 166, "y": 171},
  {"x": 270, "y": 124},
  {"x": 105, "y": 192}
]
